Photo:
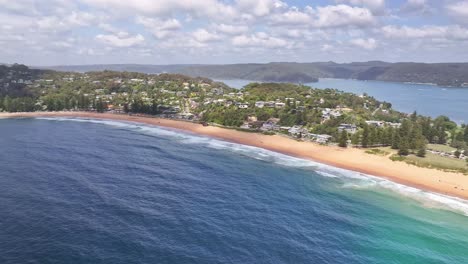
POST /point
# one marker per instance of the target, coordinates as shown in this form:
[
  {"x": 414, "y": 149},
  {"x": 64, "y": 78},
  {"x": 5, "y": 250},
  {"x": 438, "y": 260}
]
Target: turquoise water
[
  {"x": 426, "y": 99},
  {"x": 90, "y": 191}
]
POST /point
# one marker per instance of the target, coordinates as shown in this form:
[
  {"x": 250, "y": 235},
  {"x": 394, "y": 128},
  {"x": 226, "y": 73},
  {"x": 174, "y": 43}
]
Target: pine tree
[
  {"x": 343, "y": 142},
  {"x": 404, "y": 147},
  {"x": 365, "y": 136},
  {"x": 395, "y": 139},
  {"x": 100, "y": 106},
  {"x": 356, "y": 137},
  {"x": 421, "y": 152},
  {"x": 415, "y": 136}
]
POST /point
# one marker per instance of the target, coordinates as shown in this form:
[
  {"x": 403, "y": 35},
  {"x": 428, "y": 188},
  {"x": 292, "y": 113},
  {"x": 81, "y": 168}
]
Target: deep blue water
[
  {"x": 429, "y": 100},
  {"x": 82, "y": 191}
]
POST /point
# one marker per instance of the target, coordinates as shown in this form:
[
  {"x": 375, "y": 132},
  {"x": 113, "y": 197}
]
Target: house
[
  {"x": 245, "y": 125},
  {"x": 297, "y": 131},
  {"x": 259, "y": 104},
  {"x": 351, "y": 129},
  {"x": 271, "y": 125},
  {"x": 375, "y": 123},
  {"x": 323, "y": 139},
  {"x": 251, "y": 118},
  {"x": 242, "y": 105},
  {"x": 394, "y": 125},
  {"x": 269, "y": 104},
  {"x": 328, "y": 113},
  {"x": 320, "y": 138},
  {"x": 217, "y": 91},
  {"x": 280, "y": 105}
]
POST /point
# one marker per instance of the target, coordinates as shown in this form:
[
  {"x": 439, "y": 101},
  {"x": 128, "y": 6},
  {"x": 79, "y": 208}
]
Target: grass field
[
  {"x": 439, "y": 147},
  {"x": 438, "y": 162},
  {"x": 379, "y": 151}
]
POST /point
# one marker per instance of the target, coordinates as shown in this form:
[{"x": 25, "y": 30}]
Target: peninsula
[{"x": 356, "y": 132}]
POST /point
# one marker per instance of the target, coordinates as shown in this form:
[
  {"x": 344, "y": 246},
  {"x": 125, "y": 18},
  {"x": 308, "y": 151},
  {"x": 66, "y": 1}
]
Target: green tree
[
  {"x": 395, "y": 139},
  {"x": 100, "y": 106},
  {"x": 404, "y": 147},
  {"x": 343, "y": 142},
  {"x": 421, "y": 152},
  {"x": 365, "y": 136},
  {"x": 465, "y": 134}
]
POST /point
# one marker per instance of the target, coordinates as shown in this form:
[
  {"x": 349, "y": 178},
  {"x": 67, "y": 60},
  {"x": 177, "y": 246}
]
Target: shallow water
[
  {"x": 88, "y": 191},
  {"x": 429, "y": 100}
]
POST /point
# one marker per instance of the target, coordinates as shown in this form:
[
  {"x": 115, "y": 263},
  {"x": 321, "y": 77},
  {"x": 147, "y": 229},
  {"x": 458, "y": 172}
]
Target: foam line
[{"x": 351, "y": 179}]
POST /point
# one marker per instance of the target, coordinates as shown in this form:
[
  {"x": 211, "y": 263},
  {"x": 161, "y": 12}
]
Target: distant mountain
[{"x": 443, "y": 74}]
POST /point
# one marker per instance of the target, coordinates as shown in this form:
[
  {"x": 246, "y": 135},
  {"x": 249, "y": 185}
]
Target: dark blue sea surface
[{"x": 86, "y": 191}]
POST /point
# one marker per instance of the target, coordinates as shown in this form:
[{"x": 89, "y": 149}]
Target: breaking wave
[{"x": 348, "y": 179}]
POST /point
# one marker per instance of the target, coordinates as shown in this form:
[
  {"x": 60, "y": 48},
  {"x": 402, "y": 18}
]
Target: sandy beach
[{"x": 448, "y": 183}]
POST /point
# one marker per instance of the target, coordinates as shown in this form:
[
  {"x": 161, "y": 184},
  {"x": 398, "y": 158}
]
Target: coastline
[{"x": 447, "y": 183}]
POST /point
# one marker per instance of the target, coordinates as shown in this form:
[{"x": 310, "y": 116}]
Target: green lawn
[
  {"x": 438, "y": 162},
  {"x": 439, "y": 147},
  {"x": 380, "y": 151}
]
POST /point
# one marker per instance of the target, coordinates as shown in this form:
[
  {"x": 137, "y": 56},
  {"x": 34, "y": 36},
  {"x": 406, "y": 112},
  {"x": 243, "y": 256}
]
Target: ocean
[
  {"x": 426, "y": 99},
  {"x": 92, "y": 191}
]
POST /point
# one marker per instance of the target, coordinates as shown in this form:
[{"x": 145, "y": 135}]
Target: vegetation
[
  {"x": 379, "y": 152},
  {"x": 438, "y": 162},
  {"x": 446, "y": 74},
  {"x": 321, "y": 115}
]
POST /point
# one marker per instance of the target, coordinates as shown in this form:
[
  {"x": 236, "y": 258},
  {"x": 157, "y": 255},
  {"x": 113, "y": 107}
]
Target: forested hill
[
  {"x": 443, "y": 74},
  {"x": 14, "y": 79}
]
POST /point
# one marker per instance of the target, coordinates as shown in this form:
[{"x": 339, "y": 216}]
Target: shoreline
[{"x": 446, "y": 183}]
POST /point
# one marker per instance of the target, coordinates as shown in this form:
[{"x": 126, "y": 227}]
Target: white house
[
  {"x": 351, "y": 129},
  {"x": 375, "y": 123},
  {"x": 280, "y": 105},
  {"x": 259, "y": 104}
]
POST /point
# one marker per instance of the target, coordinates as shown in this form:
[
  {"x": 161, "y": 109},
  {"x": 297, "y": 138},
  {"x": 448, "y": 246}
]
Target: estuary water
[
  {"x": 426, "y": 99},
  {"x": 89, "y": 191}
]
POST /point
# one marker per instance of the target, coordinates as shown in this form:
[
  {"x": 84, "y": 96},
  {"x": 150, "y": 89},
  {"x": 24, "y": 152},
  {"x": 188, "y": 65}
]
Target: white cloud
[
  {"x": 159, "y": 28},
  {"x": 416, "y": 6},
  {"x": 326, "y": 47},
  {"x": 230, "y": 29},
  {"x": 202, "y": 35},
  {"x": 376, "y": 6},
  {"x": 459, "y": 11},
  {"x": 121, "y": 40},
  {"x": 11, "y": 37},
  {"x": 201, "y": 8},
  {"x": 64, "y": 23},
  {"x": 368, "y": 44},
  {"x": 293, "y": 17},
  {"x": 454, "y": 32},
  {"x": 260, "y": 39},
  {"x": 342, "y": 16},
  {"x": 259, "y": 7}
]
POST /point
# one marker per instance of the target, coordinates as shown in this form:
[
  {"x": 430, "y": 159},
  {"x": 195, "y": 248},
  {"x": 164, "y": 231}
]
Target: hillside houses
[
  {"x": 349, "y": 128},
  {"x": 376, "y": 123},
  {"x": 328, "y": 113}
]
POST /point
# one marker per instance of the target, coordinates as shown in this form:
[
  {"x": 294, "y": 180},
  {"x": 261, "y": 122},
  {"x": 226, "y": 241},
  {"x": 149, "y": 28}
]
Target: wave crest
[{"x": 348, "y": 178}]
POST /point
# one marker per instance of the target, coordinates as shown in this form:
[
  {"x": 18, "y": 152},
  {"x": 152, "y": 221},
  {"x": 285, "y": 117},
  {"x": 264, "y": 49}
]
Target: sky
[{"x": 61, "y": 32}]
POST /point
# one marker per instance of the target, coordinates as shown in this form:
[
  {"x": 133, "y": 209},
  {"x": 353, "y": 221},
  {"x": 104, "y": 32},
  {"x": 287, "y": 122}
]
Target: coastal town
[{"x": 324, "y": 116}]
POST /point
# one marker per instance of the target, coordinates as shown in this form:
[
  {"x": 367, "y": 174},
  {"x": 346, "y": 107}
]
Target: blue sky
[{"x": 53, "y": 32}]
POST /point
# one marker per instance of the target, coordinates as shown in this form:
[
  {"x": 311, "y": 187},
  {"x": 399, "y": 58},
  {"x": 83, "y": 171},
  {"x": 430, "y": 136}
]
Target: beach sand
[{"x": 448, "y": 183}]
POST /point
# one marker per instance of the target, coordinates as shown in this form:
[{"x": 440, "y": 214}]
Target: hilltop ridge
[{"x": 443, "y": 74}]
